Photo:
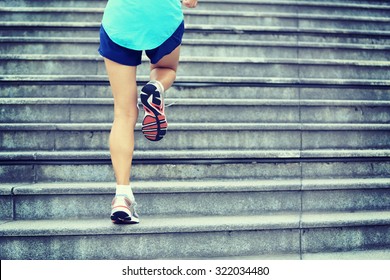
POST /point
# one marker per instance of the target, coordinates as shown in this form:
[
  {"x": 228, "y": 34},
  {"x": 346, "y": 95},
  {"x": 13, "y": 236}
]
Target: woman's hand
[{"x": 190, "y": 3}]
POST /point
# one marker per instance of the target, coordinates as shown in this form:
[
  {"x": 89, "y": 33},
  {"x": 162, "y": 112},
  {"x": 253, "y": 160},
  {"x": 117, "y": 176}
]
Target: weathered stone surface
[
  {"x": 278, "y": 141},
  {"x": 83, "y": 240}
]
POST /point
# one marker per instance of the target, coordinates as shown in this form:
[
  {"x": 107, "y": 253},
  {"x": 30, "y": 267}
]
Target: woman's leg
[{"x": 124, "y": 88}]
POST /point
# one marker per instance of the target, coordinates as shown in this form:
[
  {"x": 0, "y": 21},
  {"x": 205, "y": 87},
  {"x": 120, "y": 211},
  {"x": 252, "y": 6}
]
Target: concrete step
[
  {"x": 202, "y": 31},
  {"x": 324, "y": 238},
  {"x": 19, "y": 137},
  {"x": 206, "y": 47},
  {"x": 87, "y": 86},
  {"x": 157, "y": 237},
  {"x": 60, "y": 3},
  {"x": 95, "y": 166},
  {"x": 236, "y": 67},
  {"x": 368, "y": 8},
  {"x": 154, "y": 237},
  {"x": 352, "y": 194},
  {"x": 217, "y": 17},
  {"x": 246, "y": 136},
  {"x": 378, "y": 254},
  {"x": 243, "y": 197},
  {"x": 42, "y": 14},
  {"x": 375, "y": 254},
  {"x": 207, "y": 3},
  {"x": 86, "y": 200},
  {"x": 185, "y": 110}
]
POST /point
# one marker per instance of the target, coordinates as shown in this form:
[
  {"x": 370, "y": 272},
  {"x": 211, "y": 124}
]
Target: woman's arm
[{"x": 190, "y": 3}]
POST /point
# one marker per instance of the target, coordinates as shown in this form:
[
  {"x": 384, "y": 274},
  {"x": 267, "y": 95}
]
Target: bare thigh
[
  {"x": 124, "y": 88},
  {"x": 170, "y": 61},
  {"x": 164, "y": 71}
]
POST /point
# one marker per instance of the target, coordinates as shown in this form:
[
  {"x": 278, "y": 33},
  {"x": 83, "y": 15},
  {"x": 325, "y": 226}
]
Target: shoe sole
[
  {"x": 121, "y": 217},
  {"x": 154, "y": 124}
]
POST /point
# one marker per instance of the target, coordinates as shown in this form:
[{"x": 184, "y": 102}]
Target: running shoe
[
  {"x": 154, "y": 124},
  {"x": 123, "y": 210}
]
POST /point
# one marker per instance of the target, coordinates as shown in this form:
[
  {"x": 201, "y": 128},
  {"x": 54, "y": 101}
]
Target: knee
[
  {"x": 129, "y": 115},
  {"x": 171, "y": 68},
  {"x": 174, "y": 70}
]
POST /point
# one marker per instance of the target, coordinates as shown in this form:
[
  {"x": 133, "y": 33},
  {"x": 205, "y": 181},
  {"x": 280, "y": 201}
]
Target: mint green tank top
[{"x": 141, "y": 24}]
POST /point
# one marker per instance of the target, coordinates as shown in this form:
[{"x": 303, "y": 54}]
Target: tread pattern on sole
[{"x": 154, "y": 124}]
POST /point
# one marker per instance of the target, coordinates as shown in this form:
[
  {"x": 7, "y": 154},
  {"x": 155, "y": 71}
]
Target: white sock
[
  {"x": 158, "y": 85},
  {"x": 125, "y": 190}
]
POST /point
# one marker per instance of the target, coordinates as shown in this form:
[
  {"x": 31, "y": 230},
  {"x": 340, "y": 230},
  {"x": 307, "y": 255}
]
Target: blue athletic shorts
[{"x": 129, "y": 57}]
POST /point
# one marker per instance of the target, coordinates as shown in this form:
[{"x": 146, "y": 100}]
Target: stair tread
[
  {"x": 196, "y": 154},
  {"x": 211, "y": 42},
  {"x": 202, "y": 12},
  {"x": 303, "y": 3},
  {"x": 181, "y": 224},
  {"x": 378, "y": 254},
  {"x": 194, "y": 186},
  {"x": 201, "y": 126},
  {"x": 300, "y": 3},
  {"x": 155, "y": 187},
  {"x": 375, "y": 254},
  {"x": 82, "y": 79},
  {"x": 209, "y": 59},
  {"x": 360, "y": 218},
  {"x": 149, "y": 224},
  {"x": 207, "y": 27},
  {"x": 196, "y": 101}
]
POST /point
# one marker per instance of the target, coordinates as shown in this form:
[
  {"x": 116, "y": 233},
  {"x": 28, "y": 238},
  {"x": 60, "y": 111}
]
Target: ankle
[
  {"x": 158, "y": 85},
  {"x": 125, "y": 190}
]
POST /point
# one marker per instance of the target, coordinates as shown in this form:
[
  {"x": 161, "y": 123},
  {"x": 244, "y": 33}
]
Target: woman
[{"x": 128, "y": 28}]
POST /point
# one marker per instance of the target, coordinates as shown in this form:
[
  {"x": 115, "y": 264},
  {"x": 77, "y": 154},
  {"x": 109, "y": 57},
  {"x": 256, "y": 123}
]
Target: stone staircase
[{"x": 278, "y": 145}]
